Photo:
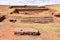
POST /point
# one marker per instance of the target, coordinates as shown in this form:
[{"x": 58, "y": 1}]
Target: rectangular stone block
[{"x": 37, "y": 19}]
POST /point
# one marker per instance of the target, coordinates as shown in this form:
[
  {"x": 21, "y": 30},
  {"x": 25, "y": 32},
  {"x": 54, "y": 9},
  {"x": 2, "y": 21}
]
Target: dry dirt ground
[{"x": 48, "y": 31}]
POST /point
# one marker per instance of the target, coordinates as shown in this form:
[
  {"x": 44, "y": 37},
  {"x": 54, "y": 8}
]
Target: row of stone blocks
[{"x": 44, "y": 19}]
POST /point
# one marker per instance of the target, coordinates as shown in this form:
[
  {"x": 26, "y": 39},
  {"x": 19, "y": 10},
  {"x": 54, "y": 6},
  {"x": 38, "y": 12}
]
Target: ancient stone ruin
[
  {"x": 26, "y": 31},
  {"x": 31, "y": 11},
  {"x": 45, "y": 19},
  {"x": 32, "y": 14}
]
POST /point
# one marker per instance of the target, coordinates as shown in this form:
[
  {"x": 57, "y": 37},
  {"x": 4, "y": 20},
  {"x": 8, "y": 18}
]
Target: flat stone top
[{"x": 25, "y": 30}]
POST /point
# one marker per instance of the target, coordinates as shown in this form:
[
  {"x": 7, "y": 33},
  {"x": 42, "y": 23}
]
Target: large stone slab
[
  {"x": 26, "y": 31},
  {"x": 45, "y": 19}
]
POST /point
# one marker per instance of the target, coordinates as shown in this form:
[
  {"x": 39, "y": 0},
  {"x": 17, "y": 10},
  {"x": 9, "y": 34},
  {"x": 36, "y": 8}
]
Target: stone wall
[{"x": 37, "y": 19}]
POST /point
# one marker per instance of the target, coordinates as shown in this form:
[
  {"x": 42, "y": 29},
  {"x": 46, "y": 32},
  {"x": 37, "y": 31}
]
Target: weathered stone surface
[
  {"x": 45, "y": 19},
  {"x": 27, "y": 31}
]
